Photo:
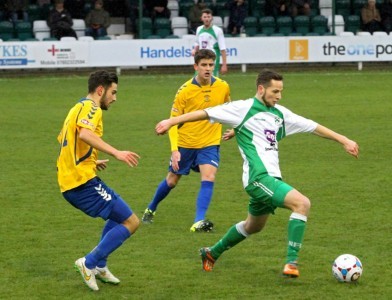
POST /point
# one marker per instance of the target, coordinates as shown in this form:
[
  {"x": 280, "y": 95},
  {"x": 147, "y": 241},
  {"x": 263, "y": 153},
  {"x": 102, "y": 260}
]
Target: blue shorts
[
  {"x": 192, "y": 158},
  {"x": 96, "y": 199}
]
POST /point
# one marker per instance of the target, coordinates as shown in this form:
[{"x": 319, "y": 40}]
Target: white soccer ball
[{"x": 347, "y": 268}]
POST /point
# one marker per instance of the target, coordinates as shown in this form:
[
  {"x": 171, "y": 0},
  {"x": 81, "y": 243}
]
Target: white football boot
[
  {"x": 105, "y": 275},
  {"x": 87, "y": 274}
]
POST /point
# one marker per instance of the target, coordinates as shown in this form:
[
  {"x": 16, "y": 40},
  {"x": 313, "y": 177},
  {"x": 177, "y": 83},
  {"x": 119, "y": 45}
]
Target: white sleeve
[
  {"x": 197, "y": 43},
  {"x": 230, "y": 113},
  {"x": 221, "y": 39},
  {"x": 295, "y": 123}
]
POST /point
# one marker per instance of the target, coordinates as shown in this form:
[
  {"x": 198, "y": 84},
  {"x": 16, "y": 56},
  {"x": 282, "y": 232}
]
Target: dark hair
[
  {"x": 265, "y": 76},
  {"x": 104, "y": 78},
  {"x": 204, "y": 54},
  {"x": 206, "y": 11}
]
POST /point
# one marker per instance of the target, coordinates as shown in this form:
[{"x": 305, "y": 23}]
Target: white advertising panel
[
  {"x": 44, "y": 54},
  {"x": 133, "y": 53}
]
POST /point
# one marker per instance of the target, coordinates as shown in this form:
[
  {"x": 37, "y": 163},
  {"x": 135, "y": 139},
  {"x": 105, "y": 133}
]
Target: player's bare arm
[
  {"x": 89, "y": 137},
  {"x": 164, "y": 126},
  {"x": 351, "y": 147},
  {"x": 224, "y": 63}
]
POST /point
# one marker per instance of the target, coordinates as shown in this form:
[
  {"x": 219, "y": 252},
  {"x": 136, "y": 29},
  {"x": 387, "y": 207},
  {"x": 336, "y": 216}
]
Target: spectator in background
[
  {"x": 300, "y": 7},
  {"x": 157, "y": 9},
  {"x": 133, "y": 9},
  {"x": 97, "y": 20},
  {"x": 75, "y": 8},
  {"x": 371, "y": 19},
  {"x": 60, "y": 21},
  {"x": 238, "y": 12},
  {"x": 194, "y": 15},
  {"x": 386, "y": 15},
  {"x": 17, "y": 10},
  {"x": 278, "y": 7}
]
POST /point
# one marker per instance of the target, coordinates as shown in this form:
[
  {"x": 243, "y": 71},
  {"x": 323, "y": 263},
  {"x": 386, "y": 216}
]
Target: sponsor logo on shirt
[
  {"x": 87, "y": 122},
  {"x": 270, "y": 135},
  {"x": 260, "y": 119}
]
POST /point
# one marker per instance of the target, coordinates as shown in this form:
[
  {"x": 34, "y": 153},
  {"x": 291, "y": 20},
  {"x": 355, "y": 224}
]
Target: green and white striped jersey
[{"x": 258, "y": 129}]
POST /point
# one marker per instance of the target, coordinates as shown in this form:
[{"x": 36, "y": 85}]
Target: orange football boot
[{"x": 291, "y": 270}]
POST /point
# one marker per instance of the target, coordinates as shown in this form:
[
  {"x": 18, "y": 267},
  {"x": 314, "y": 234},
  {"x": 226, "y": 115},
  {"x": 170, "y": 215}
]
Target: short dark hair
[
  {"x": 265, "y": 76},
  {"x": 206, "y": 11},
  {"x": 104, "y": 78},
  {"x": 204, "y": 54}
]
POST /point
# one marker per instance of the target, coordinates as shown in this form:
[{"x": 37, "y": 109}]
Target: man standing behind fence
[{"x": 209, "y": 36}]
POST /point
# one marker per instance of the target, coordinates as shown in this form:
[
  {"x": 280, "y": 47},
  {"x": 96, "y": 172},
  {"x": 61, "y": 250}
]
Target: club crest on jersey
[
  {"x": 278, "y": 121},
  {"x": 206, "y": 98}
]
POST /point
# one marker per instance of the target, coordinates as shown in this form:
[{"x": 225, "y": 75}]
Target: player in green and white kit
[
  {"x": 209, "y": 36},
  {"x": 259, "y": 124}
]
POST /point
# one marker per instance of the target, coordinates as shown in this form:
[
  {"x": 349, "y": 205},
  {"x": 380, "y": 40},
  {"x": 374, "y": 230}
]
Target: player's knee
[
  {"x": 172, "y": 180},
  {"x": 132, "y": 223},
  {"x": 297, "y": 202},
  {"x": 172, "y": 183},
  {"x": 304, "y": 205},
  {"x": 208, "y": 177}
]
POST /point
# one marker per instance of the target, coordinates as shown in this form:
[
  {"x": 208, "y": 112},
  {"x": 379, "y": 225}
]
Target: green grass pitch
[{"x": 41, "y": 235}]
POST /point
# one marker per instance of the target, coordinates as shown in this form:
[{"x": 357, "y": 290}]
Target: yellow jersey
[
  {"x": 192, "y": 96},
  {"x": 76, "y": 163}
]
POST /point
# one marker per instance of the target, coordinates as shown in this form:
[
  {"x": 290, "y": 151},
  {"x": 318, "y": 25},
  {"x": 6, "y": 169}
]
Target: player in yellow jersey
[
  {"x": 80, "y": 140},
  {"x": 195, "y": 146}
]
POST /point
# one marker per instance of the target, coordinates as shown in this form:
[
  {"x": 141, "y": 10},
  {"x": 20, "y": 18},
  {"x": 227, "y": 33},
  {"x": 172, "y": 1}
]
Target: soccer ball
[{"x": 347, "y": 268}]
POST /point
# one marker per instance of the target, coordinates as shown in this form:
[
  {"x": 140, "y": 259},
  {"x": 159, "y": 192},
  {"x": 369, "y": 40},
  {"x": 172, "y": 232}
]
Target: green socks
[
  {"x": 237, "y": 234},
  {"x": 230, "y": 239},
  {"x": 296, "y": 231}
]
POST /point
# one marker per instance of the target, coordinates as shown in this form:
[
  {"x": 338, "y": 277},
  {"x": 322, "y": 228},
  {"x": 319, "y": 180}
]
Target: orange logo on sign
[{"x": 299, "y": 50}]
